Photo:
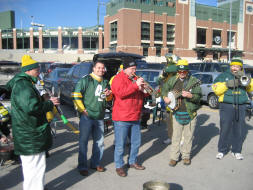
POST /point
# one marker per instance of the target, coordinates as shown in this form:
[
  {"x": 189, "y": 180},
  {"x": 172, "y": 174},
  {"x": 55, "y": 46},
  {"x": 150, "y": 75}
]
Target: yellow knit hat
[
  {"x": 28, "y": 63},
  {"x": 236, "y": 62},
  {"x": 182, "y": 64}
]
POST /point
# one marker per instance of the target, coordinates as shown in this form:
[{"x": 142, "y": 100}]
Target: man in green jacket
[
  {"x": 232, "y": 93},
  {"x": 31, "y": 131},
  {"x": 184, "y": 114},
  {"x": 89, "y": 97}
]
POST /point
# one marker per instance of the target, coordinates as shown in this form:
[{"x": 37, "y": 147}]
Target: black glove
[{"x": 232, "y": 83}]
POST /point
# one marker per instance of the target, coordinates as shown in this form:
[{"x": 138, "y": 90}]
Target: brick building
[{"x": 182, "y": 27}]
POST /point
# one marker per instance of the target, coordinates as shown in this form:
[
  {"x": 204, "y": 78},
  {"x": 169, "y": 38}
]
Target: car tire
[{"x": 212, "y": 101}]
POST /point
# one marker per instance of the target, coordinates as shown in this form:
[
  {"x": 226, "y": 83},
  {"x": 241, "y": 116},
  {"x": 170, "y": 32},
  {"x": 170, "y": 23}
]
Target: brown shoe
[
  {"x": 187, "y": 161},
  {"x": 137, "y": 166},
  {"x": 173, "y": 163},
  {"x": 120, "y": 172},
  {"x": 84, "y": 172},
  {"x": 99, "y": 169}
]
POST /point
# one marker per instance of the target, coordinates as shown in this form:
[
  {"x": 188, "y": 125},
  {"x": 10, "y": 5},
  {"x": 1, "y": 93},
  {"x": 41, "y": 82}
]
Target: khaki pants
[
  {"x": 179, "y": 131},
  {"x": 169, "y": 123}
]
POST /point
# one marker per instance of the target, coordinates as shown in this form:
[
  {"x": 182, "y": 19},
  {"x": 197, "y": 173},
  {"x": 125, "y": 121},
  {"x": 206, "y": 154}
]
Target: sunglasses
[{"x": 183, "y": 72}]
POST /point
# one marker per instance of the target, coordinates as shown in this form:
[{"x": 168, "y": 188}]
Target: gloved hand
[
  {"x": 239, "y": 74},
  {"x": 232, "y": 83}
]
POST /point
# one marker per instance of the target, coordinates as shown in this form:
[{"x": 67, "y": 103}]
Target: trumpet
[{"x": 148, "y": 87}]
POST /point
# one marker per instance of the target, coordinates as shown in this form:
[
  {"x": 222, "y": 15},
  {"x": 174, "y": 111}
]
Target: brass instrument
[{"x": 148, "y": 87}]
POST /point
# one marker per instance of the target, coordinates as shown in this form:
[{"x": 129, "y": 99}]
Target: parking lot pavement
[{"x": 205, "y": 172}]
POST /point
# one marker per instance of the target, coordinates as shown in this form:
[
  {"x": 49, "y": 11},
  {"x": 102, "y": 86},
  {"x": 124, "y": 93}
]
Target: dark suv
[{"x": 112, "y": 63}]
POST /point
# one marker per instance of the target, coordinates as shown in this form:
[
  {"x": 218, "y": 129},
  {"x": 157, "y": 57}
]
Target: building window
[
  {"x": 23, "y": 43},
  {"x": 146, "y": 1},
  {"x": 114, "y": 31},
  {"x": 216, "y": 37},
  {"x": 232, "y": 39},
  {"x": 113, "y": 47},
  {"x": 145, "y": 48},
  {"x": 158, "y": 49},
  {"x": 201, "y": 36},
  {"x": 35, "y": 42},
  {"x": 145, "y": 31},
  {"x": 170, "y": 48},
  {"x": 170, "y": 33},
  {"x": 69, "y": 42},
  {"x": 158, "y": 32}
]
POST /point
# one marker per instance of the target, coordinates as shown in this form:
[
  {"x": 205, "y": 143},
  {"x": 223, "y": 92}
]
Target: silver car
[{"x": 208, "y": 95}]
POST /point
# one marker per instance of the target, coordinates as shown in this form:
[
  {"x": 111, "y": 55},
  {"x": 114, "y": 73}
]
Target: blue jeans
[
  {"x": 121, "y": 129},
  {"x": 231, "y": 120},
  {"x": 89, "y": 126}
]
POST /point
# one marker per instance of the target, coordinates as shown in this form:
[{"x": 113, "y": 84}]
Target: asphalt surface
[{"x": 205, "y": 172}]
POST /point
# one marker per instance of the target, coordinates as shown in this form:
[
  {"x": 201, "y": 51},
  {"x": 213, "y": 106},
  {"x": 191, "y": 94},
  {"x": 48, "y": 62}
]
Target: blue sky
[{"x": 65, "y": 13}]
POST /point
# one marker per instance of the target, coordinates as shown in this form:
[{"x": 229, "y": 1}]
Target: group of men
[{"x": 32, "y": 135}]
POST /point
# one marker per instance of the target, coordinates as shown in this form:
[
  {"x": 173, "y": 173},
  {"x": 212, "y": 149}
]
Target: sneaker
[
  {"x": 220, "y": 155},
  {"x": 167, "y": 141},
  {"x": 238, "y": 156}
]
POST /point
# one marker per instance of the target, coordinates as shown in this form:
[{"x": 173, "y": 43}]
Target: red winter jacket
[{"x": 128, "y": 99}]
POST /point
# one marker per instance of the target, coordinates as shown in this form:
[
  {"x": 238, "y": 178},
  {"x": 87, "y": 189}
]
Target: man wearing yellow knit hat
[
  {"x": 188, "y": 93},
  {"x": 231, "y": 87},
  {"x": 31, "y": 132}
]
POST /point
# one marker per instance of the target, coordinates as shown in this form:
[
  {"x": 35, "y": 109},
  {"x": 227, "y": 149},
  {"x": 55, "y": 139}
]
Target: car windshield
[
  {"x": 205, "y": 78},
  {"x": 149, "y": 76},
  {"x": 62, "y": 73}
]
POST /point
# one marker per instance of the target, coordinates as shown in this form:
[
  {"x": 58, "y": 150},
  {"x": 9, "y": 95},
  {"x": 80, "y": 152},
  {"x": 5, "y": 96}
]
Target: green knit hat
[
  {"x": 28, "y": 63},
  {"x": 236, "y": 62}
]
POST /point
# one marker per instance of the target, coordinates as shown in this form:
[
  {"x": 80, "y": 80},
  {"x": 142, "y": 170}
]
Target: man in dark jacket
[
  {"x": 188, "y": 94},
  {"x": 31, "y": 132},
  {"x": 233, "y": 97},
  {"x": 126, "y": 113}
]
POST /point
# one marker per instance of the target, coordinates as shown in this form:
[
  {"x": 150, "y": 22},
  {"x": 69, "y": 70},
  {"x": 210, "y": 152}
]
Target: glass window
[
  {"x": 208, "y": 68},
  {"x": 84, "y": 70},
  {"x": 158, "y": 32},
  {"x": 76, "y": 72},
  {"x": 145, "y": 31},
  {"x": 201, "y": 36}
]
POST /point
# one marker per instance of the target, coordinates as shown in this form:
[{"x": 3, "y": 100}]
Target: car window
[
  {"x": 202, "y": 67},
  {"x": 224, "y": 67},
  {"x": 143, "y": 74},
  {"x": 194, "y": 66},
  {"x": 205, "y": 78},
  {"x": 62, "y": 74},
  {"x": 76, "y": 72},
  {"x": 84, "y": 70},
  {"x": 208, "y": 68},
  {"x": 50, "y": 75}
]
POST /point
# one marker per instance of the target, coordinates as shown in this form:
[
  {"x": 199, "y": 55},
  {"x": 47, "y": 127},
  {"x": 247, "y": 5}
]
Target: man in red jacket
[{"x": 126, "y": 113}]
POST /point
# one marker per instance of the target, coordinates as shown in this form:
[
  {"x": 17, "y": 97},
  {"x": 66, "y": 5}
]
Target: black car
[
  {"x": 112, "y": 63},
  {"x": 54, "y": 78}
]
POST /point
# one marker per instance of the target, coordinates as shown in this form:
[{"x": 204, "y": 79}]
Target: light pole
[
  {"x": 98, "y": 10},
  {"x": 230, "y": 28}
]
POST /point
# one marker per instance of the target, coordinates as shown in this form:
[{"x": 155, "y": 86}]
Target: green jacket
[
  {"x": 193, "y": 104},
  {"x": 87, "y": 95},
  {"x": 30, "y": 128},
  {"x": 231, "y": 96}
]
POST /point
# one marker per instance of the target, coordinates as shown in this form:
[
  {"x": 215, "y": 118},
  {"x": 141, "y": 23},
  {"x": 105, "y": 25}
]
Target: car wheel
[{"x": 213, "y": 101}]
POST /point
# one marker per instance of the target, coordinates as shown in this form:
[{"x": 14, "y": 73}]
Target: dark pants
[{"x": 231, "y": 119}]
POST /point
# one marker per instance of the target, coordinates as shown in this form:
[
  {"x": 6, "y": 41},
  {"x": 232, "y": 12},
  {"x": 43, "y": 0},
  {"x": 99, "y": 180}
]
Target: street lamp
[
  {"x": 98, "y": 9},
  {"x": 230, "y": 28}
]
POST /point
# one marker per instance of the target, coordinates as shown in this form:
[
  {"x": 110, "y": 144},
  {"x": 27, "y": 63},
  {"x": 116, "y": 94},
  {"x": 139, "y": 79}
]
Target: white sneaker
[
  {"x": 167, "y": 141},
  {"x": 238, "y": 156},
  {"x": 220, "y": 155}
]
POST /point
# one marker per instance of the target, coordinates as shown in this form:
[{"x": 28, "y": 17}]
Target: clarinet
[{"x": 58, "y": 108}]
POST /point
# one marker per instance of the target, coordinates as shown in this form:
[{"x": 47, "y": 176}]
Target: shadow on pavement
[{"x": 203, "y": 133}]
